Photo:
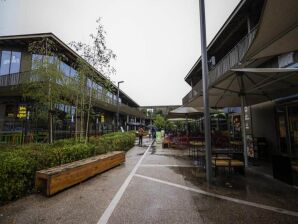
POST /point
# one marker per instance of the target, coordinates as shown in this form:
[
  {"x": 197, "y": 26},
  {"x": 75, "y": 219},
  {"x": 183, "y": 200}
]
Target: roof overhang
[
  {"x": 278, "y": 30},
  {"x": 24, "y": 40}
]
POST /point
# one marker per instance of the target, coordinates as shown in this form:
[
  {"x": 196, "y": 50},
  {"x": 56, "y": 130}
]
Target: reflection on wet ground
[
  {"x": 167, "y": 187},
  {"x": 252, "y": 187}
]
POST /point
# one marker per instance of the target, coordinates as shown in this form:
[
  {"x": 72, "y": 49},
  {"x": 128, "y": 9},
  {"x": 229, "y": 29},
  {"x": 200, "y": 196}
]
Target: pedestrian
[
  {"x": 141, "y": 133},
  {"x": 153, "y": 132}
]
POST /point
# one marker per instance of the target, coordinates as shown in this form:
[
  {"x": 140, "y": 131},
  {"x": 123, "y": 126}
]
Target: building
[
  {"x": 253, "y": 65},
  {"x": 16, "y": 65},
  {"x": 151, "y": 111}
]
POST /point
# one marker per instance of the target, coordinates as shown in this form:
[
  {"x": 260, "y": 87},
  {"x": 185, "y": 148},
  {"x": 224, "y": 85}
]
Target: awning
[
  {"x": 255, "y": 84},
  {"x": 278, "y": 30}
]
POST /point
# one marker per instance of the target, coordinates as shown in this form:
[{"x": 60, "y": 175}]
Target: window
[
  {"x": 5, "y": 62},
  {"x": 89, "y": 83},
  {"x": 73, "y": 72},
  {"x": 15, "y": 63},
  {"x": 10, "y": 62},
  {"x": 65, "y": 68},
  {"x": 36, "y": 60}
]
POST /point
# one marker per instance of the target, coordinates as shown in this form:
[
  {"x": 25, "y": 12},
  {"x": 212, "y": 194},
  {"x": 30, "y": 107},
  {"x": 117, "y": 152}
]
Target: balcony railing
[
  {"x": 10, "y": 79},
  {"x": 99, "y": 98},
  {"x": 231, "y": 60},
  {"x": 195, "y": 91}
]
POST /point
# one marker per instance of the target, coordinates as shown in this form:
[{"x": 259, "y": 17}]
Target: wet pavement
[{"x": 161, "y": 186}]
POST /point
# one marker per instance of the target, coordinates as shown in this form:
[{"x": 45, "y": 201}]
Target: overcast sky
[{"x": 156, "y": 41}]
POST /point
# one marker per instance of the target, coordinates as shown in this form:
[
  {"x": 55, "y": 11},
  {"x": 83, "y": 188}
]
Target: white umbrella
[
  {"x": 186, "y": 112},
  {"x": 249, "y": 86}
]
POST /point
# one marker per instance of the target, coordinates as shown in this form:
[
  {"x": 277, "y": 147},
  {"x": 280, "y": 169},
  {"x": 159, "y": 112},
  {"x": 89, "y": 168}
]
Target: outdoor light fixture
[{"x": 117, "y": 123}]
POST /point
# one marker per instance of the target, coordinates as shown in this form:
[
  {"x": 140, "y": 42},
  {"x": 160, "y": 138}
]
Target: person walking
[
  {"x": 141, "y": 133},
  {"x": 153, "y": 133}
]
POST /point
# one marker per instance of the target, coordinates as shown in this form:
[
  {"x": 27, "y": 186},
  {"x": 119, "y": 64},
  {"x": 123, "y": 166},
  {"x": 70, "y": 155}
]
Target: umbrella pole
[
  {"x": 205, "y": 93},
  {"x": 243, "y": 131}
]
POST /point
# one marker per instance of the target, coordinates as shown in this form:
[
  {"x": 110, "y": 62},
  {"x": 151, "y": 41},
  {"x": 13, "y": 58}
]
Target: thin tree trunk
[
  {"x": 76, "y": 114},
  {"x": 88, "y": 113},
  {"x": 82, "y": 116},
  {"x": 50, "y": 124}
]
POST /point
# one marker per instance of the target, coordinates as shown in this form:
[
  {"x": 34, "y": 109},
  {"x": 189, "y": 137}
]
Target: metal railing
[
  {"x": 10, "y": 79},
  {"x": 99, "y": 97},
  {"x": 195, "y": 91},
  {"x": 231, "y": 60}
]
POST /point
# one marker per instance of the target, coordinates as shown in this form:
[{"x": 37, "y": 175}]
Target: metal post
[
  {"x": 205, "y": 92},
  {"x": 117, "y": 115},
  {"x": 243, "y": 130}
]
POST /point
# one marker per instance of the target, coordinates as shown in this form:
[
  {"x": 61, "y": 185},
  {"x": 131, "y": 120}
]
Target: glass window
[
  {"x": 5, "y": 62},
  {"x": 15, "y": 62},
  {"x": 89, "y": 83},
  {"x": 65, "y": 68},
  {"x": 36, "y": 60},
  {"x": 50, "y": 59},
  {"x": 73, "y": 72},
  {"x": 98, "y": 88}
]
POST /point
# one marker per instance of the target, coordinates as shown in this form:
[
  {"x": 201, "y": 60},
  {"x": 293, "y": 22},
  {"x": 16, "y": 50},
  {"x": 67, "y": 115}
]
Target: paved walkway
[{"x": 160, "y": 186}]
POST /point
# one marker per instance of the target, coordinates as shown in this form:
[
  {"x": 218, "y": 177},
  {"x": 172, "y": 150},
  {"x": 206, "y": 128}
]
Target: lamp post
[
  {"x": 205, "y": 92},
  {"x": 117, "y": 123}
]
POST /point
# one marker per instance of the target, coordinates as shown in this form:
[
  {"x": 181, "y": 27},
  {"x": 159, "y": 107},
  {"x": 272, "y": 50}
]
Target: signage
[
  {"x": 102, "y": 118},
  {"x": 22, "y": 112}
]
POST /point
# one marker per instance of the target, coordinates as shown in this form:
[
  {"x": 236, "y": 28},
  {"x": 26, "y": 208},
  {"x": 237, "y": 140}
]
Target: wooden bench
[
  {"x": 224, "y": 162},
  {"x": 55, "y": 179}
]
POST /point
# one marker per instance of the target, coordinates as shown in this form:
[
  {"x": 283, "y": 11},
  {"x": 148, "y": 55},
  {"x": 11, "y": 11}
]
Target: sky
[{"x": 156, "y": 41}]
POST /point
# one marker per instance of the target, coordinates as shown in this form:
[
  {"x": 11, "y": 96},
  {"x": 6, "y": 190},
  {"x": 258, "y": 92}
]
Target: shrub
[{"x": 19, "y": 164}]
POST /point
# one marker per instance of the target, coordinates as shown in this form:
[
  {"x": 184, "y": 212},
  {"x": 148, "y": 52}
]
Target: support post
[
  {"x": 243, "y": 130},
  {"x": 205, "y": 93}
]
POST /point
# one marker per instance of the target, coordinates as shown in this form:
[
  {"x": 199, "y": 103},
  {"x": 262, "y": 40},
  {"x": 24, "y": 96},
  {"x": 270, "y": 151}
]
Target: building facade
[
  {"x": 253, "y": 62},
  {"x": 16, "y": 66}
]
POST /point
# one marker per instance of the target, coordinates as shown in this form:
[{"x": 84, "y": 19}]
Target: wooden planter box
[{"x": 55, "y": 179}]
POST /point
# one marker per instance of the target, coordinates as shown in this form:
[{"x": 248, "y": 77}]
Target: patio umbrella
[
  {"x": 150, "y": 126},
  {"x": 278, "y": 30},
  {"x": 186, "y": 112},
  {"x": 249, "y": 86}
]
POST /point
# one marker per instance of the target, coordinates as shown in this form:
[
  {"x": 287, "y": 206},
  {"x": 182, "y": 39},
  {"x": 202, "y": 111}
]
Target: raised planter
[{"x": 55, "y": 179}]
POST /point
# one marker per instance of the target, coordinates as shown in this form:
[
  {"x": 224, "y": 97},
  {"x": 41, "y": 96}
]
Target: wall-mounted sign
[
  {"x": 22, "y": 112},
  {"x": 102, "y": 118}
]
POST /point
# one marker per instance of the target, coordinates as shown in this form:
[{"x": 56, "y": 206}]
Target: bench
[
  {"x": 55, "y": 179},
  {"x": 225, "y": 162}
]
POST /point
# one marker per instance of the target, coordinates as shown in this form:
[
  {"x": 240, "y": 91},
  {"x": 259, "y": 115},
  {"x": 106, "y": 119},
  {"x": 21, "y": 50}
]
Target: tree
[
  {"x": 159, "y": 121},
  {"x": 99, "y": 56},
  {"x": 44, "y": 85}
]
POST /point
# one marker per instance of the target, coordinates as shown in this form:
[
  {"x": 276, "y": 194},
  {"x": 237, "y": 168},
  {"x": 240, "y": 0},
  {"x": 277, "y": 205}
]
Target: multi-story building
[
  {"x": 16, "y": 64},
  {"x": 252, "y": 63}
]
